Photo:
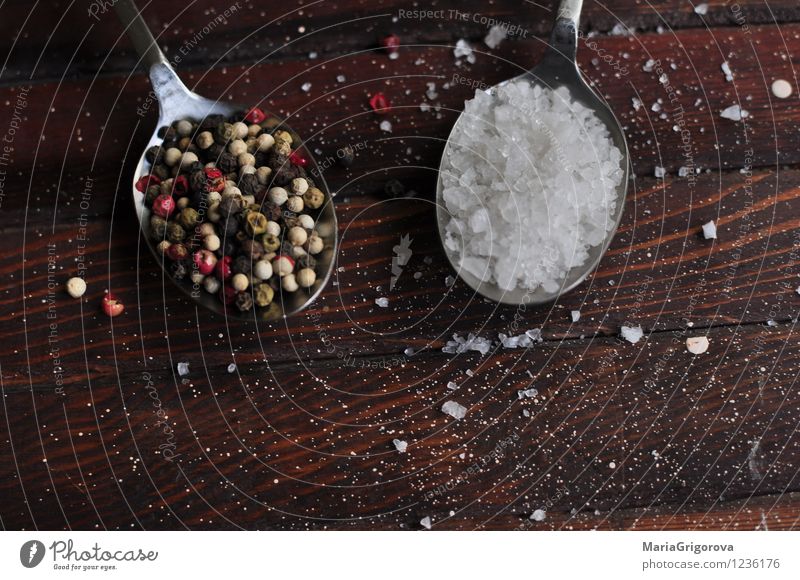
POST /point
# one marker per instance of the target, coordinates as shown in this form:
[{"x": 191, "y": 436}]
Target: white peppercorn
[
  {"x": 249, "y": 199},
  {"x": 306, "y": 277},
  {"x": 299, "y": 185},
  {"x": 172, "y": 156},
  {"x": 283, "y": 136},
  {"x": 182, "y": 203},
  {"x": 314, "y": 198},
  {"x": 289, "y": 283},
  {"x": 298, "y": 252},
  {"x": 213, "y": 213},
  {"x": 184, "y": 128},
  {"x": 197, "y": 277},
  {"x": 237, "y": 147},
  {"x": 212, "y": 242},
  {"x": 295, "y": 204},
  {"x": 265, "y": 142},
  {"x": 297, "y": 236},
  {"x": 283, "y": 265},
  {"x": 188, "y": 158},
  {"x": 205, "y": 140},
  {"x": 76, "y": 287},
  {"x": 211, "y": 284},
  {"x": 305, "y": 221},
  {"x": 263, "y": 174},
  {"x": 206, "y": 229},
  {"x": 262, "y": 270},
  {"x": 273, "y": 228},
  {"x": 240, "y": 282},
  {"x": 240, "y": 129},
  {"x": 246, "y": 159},
  {"x": 247, "y": 169},
  {"x": 213, "y": 197},
  {"x": 314, "y": 244},
  {"x": 278, "y": 195},
  {"x": 253, "y": 130}
]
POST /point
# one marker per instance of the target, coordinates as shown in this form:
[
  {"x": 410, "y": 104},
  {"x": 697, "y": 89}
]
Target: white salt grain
[
  {"x": 527, "y": 394},
  {"x": 383, "y": 302},
  {"x": 497, "y": 34},
  {"x": 781, "y": 89},
  {"x": 538, "y": 515},
  {"x": 512, "y": 154},
  {"x": 464, "y": 49},
  {"x": 632, "y": 333},
  {"x": 454, "y": 410},
  {"x": 452, "y": 386},
  {"x": 232, "y": 368},
  {"x": 459, "y": 344},
  {"x": 183, "y": 369},
  {"x": 726, "y": 68},
  {"x": 576, "y": 315},
  {"x": 701, "y": 9},
  {"x": 386, "y": 126},
  {"x": 660, "y": 172},
  {"x": 425, "y": 523},
  {"x": 400, "y": 445},
  {"x": 305, "y": 87},
  {"x": 710, "y": 230},
  {"x": 697, "y": 344}
]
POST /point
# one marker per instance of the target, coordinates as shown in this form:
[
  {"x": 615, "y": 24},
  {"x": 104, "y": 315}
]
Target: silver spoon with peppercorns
[{"x": 226, "y": 200}]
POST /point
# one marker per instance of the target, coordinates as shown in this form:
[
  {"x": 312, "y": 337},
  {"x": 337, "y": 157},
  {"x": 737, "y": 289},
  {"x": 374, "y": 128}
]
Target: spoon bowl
[
  {"x": 176, "y": 101},
  {"x": 557, "y": 68}
]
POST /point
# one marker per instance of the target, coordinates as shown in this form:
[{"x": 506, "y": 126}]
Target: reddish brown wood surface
[{"x": 620, "y": 436}]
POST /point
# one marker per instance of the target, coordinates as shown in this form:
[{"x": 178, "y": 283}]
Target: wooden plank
[
  {"x": 84, "y": 38},
  {"x": 74, "y": 130},
  {"x": 659, "y": 273},
  {"x": 614, "y": 426}
]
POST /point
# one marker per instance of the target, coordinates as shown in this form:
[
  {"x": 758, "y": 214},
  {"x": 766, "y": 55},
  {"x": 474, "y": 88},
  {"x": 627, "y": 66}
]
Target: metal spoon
[
  {"x": 176, "y": 101},
  {"x": 557, "y": 68}
]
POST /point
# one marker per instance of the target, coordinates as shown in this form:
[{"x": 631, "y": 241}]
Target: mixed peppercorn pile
[{"x": 233, "y": 209}]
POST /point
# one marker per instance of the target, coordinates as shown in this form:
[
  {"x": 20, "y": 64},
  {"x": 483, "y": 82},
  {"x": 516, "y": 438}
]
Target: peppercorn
[
  {"x": 306, "y": 277},
  {"x": 270, "y": 242},
  {"x": 307, "y": 261},
  {"x": 197, "y": 181},
  {"x": 263, "y": 294},
  {"x": 278, "y": 195},
  {"x": 305, "y": 221},
  {"x": 227, "y": 294},
  {"x": 295, "y": 204},
  {"x": 211, "y": 242},
  {"x": 180, "y": 186},
  {"x": 289, "y": 283},
  {"x": 183, "y": 127},
  {"x": 177, "y": 251},
  {"x": 161, "y": 171},
  {"x": 187, "y": 159},
  {"x": 210, "y": 123},
  {"x": 230, "y": 225},
  {"x": 314, "y": 198},
  {"x": 163, "y": 205},
  {"x": 182, "y": 203},
  {"x": 244, "y": 301},
  {"x": 249, "y": 184},
  {"x": 215, "y": 181},
  {"x": 315, "y": 244},
  {"x": 205, "y": 140},
  {"x": 271, "y": 210},
  {"x": 151, "y": 194},
  {"x": 172, "y": 156},
  {"x": 299, "y": 185},
  {"x": 281, "y": 147},
  {"x": 211, "y": 284},
  {"x": 230, "y": 205},
  {"x": 158, "y": 227},
  {"x": 188, "y": 218},
  {"x": 236, "y": 148},
  {"x": 205, "y": 261},
  {"x": 242, "y": 265},
  {"x": 246, "y": 159},
  {"x": 224, "y": 133},
  {"x": 76, "y": 287},
  {"x": 223, "y": 268},
  {"x": 262, "y": 270},
  {"x": 297, "y": 236},
  {"x": 265, "y": 142},
  {"x": 214, "y": 152},
  {"x": 283, "y": 265},
  {"x": 240, "y": 282},
  {"x": 175, "y": 233},
  {"x": 394, "y": 188},
  {"x": 153, "y": 154},
  {"x": 252, "y": 249},
  {"x": 111, "y": 306}
]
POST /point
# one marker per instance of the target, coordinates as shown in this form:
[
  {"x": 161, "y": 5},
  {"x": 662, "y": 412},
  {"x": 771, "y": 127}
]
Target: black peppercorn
[
  {"x": 210, "y": 123},
  {"x": 161, "y": 171},
  {"x": 252, "y": 249},
  {"x": 271, "y": 210},
  {"x": 244, "y": 301},
  {"x": 227, "y": 162},
  {"x": 197, "y": 180},
  {"x": 153, "y": 154},
  {"x": 394, "y": 188},
  {"x": 306, "y": 261},
  {"x": 248, "y": 184},
  {"x": 151, "y": 194},
  {"x": 213, "y": 153},
  {"x": 230, "y": 225},
  {"x": 242, "y": 265},
  {"x": 230, "y": 205}
]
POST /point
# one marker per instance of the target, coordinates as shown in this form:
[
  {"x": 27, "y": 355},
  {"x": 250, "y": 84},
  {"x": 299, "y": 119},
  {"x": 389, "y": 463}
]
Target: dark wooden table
[{"x": 99, "y": 431}]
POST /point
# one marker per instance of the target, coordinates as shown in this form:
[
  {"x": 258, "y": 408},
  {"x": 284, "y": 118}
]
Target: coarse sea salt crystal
[
  {"x": 527, "y": 394},
  {"x": 512, "y": 153},
  {"x": 497, "y": 34},
  {"x": 400, "y": 445},
  {"x": 183, "y": 369},
  {"x": 660, "y": 172},
  {"x": 734, "y": 113},
  {"x": 464, "y": 49},
  {"x": 305, "y": 87},
  {"x": 383, "y": 302},
  {"x": 632, "y": 333},
  {"x": 726, "y": 68},
  {"x": 460, "y": 344},
  {"x": 710, "y": 230},
  {"x": 701, "y": 9},
  {"x": 538, "y": 515},
  {"x": 386, "y": 126},
  {"x": 452, "y": 386},
  {"x": 576, "y": 315},
  {"x": 454, "y": 410},
  {"x": 425, "y": 522}
]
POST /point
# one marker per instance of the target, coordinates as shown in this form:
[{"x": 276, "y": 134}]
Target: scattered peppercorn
[
  {"x": 76, "y": 287},
  {"x": 379, "y": 103},
  {"x": 391, "y": 43},
  {"x": 111, "y": 306}
]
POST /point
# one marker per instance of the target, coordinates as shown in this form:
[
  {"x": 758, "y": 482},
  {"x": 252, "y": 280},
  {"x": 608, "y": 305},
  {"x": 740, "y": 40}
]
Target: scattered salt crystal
[
  {"x": 576, "y": 315},
  {"x": 424, "y": 107},
  {"x": 726, "y": 68},
  {"x": 781, "y": 89},
  {"x": 538, "y": 515},
  {"x": 464, "y": 49},
  {"x": 460, "y": 344},
  {"x": 521, "y": 341},
  {"x": 526, "y": 413},
  {"x": 701, "y": 9},
  {"x": 734, "y": 113},
  {"x": 632, "y": 333},
  {"x": 493, "y": 186},
  {"x": 449, "y": 281},
  {"x": 305, "y": 87},
  {"x": 710, "y": 230},
  {"x": 312, "y": 55},
  {"x": 409, "y": 351},
  {"x": 683, "y": 171},
  {"x": 497, "y": 34},
  {"x": 637, "y": 104},
  {"x": 649, "y": 65},
  {"x": 425, "y": 523},
  {"x": 660, "y": 172},
  {"x": 183, "y": 369},
  {"x": 527, "y": 394},
  {"x": 232, "y": 368},
  {"x": 386, "y": 126},
  {"x": 697, "y": 344},
  {"x": 394, "y": 55},
  {"x": 771, "y": 322},
  {"x": 400, "y": 445},
  {"x": 452, "y": 386},
  {"x": 454, "y": 410},
  {"x": 472, "y": 374},
  {"x": 383, "y": 302},
  {"x": 431, "y": 92},
  {"x": 797, "y": 290},
  {"x": 663, "y": 79},
  {"x": 620, "y": 29},
  {"x": 341, "y": 78}
]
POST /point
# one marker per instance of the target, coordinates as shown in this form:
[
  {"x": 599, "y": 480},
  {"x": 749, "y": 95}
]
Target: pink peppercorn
[
  {"x": 379, "y": 103},
  {"x": 296, "y": 158},
  {"x": 146, "y": 181},
  {"x": 163, "y": 205},
  {"x": 205, "y": 261},
  {"x": 223, "y": 267},
  {"x": 391, "y": 43},
  {"x": 255, "y": 115}
]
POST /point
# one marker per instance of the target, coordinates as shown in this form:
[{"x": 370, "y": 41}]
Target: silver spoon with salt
[
  {"x": 175, "y": 102},
  {"x": 558, "y": 68}
]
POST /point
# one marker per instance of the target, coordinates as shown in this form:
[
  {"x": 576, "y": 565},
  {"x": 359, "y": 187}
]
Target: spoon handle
[
  {"x": 564, "y": 38},
  {"x": 139, "y": 33}
]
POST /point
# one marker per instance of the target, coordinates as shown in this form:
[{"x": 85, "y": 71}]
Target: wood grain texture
[{"x": 98, "y": 430}]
